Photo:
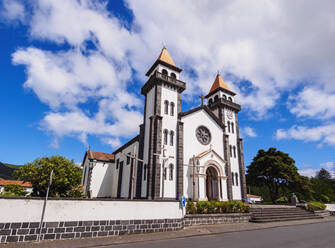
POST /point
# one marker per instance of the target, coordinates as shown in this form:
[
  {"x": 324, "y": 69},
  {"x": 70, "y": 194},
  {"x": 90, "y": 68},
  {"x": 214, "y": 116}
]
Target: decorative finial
[
  {"x": 218, "y": 72},
  {"x": 163, "y": 45}
]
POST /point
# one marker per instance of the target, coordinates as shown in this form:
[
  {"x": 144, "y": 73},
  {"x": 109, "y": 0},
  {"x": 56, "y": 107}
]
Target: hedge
[
  {"x": 315, "y": 206},
  {"x": 213, "y": 207}
]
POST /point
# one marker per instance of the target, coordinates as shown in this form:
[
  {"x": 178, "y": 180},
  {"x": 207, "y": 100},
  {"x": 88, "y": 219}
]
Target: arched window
[
  {"x": 234, "y": 148},
  {"x": 166, "y": 107},
  {"x": 230, "y": 99},
  {"x": 165, "y": 136},
  {"x": 236, "y": 181},
  {"x": 232, "y": 178},
  {"x": 210, "y": 101},
  {"x": 230, "y": 149},
  {"x": 232, "y": 127},
  {"x": 164, "y": 72},
  {"x": 171, "y": 172},
  {"x": 228, "y": 126},
  {"x": 216, "y": 98},
  {"x": 173, "y": 75},
  {"x": 171, "y": 138},
  {"x": 172, "y": 109},
  {"x": 145, "y": 172},
  {"x": 224, "y": 97}
]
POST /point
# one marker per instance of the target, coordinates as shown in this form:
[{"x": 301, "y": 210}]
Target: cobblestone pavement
[{"x": 210, "y": 232}]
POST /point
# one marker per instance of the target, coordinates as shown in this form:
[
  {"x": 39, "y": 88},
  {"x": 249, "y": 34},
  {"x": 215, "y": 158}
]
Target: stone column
[
  {"x": 228, "y": 167},
  {"x": 180, "y": 159},
  {"x": 243, "y": 181}
]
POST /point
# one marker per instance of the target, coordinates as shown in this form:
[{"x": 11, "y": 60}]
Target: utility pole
[
  {"x": 44, "y": 206},
  {"x": 133, "y": 157},
  {"x": 164, "y": 159}
]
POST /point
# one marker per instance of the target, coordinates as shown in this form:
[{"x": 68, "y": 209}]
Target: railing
[{"x": 170, "y": 79}]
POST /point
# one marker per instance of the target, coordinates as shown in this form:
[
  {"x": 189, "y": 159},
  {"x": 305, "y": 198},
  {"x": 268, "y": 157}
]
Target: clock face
[
  {"x": 203, "y": 135},
  {"x": 230, "y": 114}
]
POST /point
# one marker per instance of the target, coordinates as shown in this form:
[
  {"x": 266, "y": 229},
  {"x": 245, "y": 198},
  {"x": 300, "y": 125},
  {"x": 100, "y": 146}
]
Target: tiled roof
[
  {"x": 254, "y": 196},
  {"x": 165, "y": 57},
  {"x": 218, "y": 83},
  {"x": 4, "y": 182},
  {"x": 100, "y": 156}
]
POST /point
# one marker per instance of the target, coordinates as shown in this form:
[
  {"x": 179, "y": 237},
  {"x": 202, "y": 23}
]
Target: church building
[{"x": 197, "y": 154}]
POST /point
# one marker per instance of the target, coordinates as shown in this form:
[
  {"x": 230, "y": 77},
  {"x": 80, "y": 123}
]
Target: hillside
[{"x": 6, "y": 170}]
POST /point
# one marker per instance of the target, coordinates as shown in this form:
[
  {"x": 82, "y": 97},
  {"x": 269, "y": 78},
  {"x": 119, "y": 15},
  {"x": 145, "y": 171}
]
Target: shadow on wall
[{"x": 106, "y": 185}]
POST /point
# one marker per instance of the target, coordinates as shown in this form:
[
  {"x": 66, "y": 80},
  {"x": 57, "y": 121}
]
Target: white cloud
[
  {"x": 323, "y": 134},
  {"x": 275, "y": 45},
  {"x": 13, "y": 10},
  {"x": 308, "y": 172},
  {"x": 248, "y": 132},
  {"x": 311, "y": 172},
  {"x": 313, "y": 103}
]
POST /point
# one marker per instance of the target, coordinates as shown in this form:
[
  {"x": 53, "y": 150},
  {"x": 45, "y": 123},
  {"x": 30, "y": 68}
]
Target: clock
[
  {"x": 229, "y": 114},
  {"x": 203, "y": 135}
]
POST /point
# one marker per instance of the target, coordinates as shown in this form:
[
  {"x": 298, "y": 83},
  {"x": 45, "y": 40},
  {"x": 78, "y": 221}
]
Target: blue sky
[{"x": 71, "y": 70}]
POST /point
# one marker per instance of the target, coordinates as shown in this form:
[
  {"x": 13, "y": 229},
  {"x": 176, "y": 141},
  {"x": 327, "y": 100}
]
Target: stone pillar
[
  {"x": 140, "y": 164},
  {"x": 243, "y": 181},
  {"x": 228, "y": 167},
  {"x": 180, "y": 159}
]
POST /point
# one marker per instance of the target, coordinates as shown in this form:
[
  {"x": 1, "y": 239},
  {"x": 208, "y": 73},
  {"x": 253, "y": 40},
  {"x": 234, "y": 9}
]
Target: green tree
[
  {"x": 275, "y": 170},
  {"x": 66, "y": 176},
  {"x": 14, "y": 190},
  {"x": 323, "y": 174},
  {"x": 323, "y": 187}
]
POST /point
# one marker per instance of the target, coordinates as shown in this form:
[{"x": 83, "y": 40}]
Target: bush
[
  {"x": 282, "y": 199},
  {"x": 315, "y": 206},
  {"x": 14, "y": 190},
  {"x": 190, "y": 208},
  {"x": 211, "y": 207}
]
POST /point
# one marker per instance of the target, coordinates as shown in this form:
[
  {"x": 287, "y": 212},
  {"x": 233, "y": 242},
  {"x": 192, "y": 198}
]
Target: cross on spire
[{"x": 202, "y": 100}]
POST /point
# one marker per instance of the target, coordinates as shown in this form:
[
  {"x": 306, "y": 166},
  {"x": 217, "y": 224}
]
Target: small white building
[
  {"x": 197, "y": 154},
  {"x": 26, "y": 185}
]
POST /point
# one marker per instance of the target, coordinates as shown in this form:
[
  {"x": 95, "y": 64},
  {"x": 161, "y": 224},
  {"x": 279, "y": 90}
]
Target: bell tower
[
  {"x": 162, "y": 94},
  {"x": 221, "y": 102}
]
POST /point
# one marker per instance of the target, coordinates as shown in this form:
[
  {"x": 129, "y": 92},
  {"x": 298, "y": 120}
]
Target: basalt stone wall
[
  {"x": 212, "y": 219},
  {"x": 28, "y": 231}
]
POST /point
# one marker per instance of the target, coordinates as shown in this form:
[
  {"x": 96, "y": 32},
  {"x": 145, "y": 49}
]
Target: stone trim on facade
[
  {"x": 228, "y": 167},
  {"x": 240, "y": 156},
  {"x": 180, "y": 159}
]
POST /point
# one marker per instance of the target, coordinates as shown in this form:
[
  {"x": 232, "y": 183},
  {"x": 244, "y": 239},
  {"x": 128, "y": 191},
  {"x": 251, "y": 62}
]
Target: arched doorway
[{"x": 212, "y": 189}]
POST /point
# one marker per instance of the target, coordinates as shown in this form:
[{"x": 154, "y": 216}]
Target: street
[{"x": 301, "y": 236}]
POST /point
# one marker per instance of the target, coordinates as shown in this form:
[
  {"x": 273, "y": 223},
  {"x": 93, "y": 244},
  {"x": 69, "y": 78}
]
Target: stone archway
[{"x": 212, "y": 184}]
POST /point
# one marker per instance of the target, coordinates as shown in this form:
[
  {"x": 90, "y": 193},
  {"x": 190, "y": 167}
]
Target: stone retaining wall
[
  {"x": 212, "y": 219},
  {"x": 28, "y": 231}
]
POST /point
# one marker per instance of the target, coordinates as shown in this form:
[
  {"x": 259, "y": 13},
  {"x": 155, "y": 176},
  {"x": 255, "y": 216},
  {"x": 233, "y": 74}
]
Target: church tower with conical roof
[
  {"x": 159, "y": 131},
  {"x": 221, "y": 102}
]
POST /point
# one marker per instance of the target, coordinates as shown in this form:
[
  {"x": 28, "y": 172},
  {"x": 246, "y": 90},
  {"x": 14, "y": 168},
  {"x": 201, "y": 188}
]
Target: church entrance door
[{"x": 212, "y": 190}]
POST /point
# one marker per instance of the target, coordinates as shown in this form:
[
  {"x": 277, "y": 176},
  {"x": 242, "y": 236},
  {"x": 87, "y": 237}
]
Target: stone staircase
[{"x": 277, "y": 213}]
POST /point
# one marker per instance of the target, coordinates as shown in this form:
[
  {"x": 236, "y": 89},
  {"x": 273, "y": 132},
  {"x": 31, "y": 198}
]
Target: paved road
[{"x": 303, "y": 236}]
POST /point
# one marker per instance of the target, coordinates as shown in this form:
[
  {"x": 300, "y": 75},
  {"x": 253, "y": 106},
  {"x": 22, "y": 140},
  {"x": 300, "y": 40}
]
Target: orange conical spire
[
  {"x": 165, "y": 57},
  {"x": 219, "y": 83}
]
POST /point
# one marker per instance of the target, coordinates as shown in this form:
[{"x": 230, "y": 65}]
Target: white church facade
[{"x": 197, "y": 154}]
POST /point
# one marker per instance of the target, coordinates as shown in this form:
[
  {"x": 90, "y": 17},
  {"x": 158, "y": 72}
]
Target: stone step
[
  {"x": 280, "y": 211},
  {"x": 271, "y": 215},
  {"x": 283, "y": 216},
  {"x": 284, "y": 219}
]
